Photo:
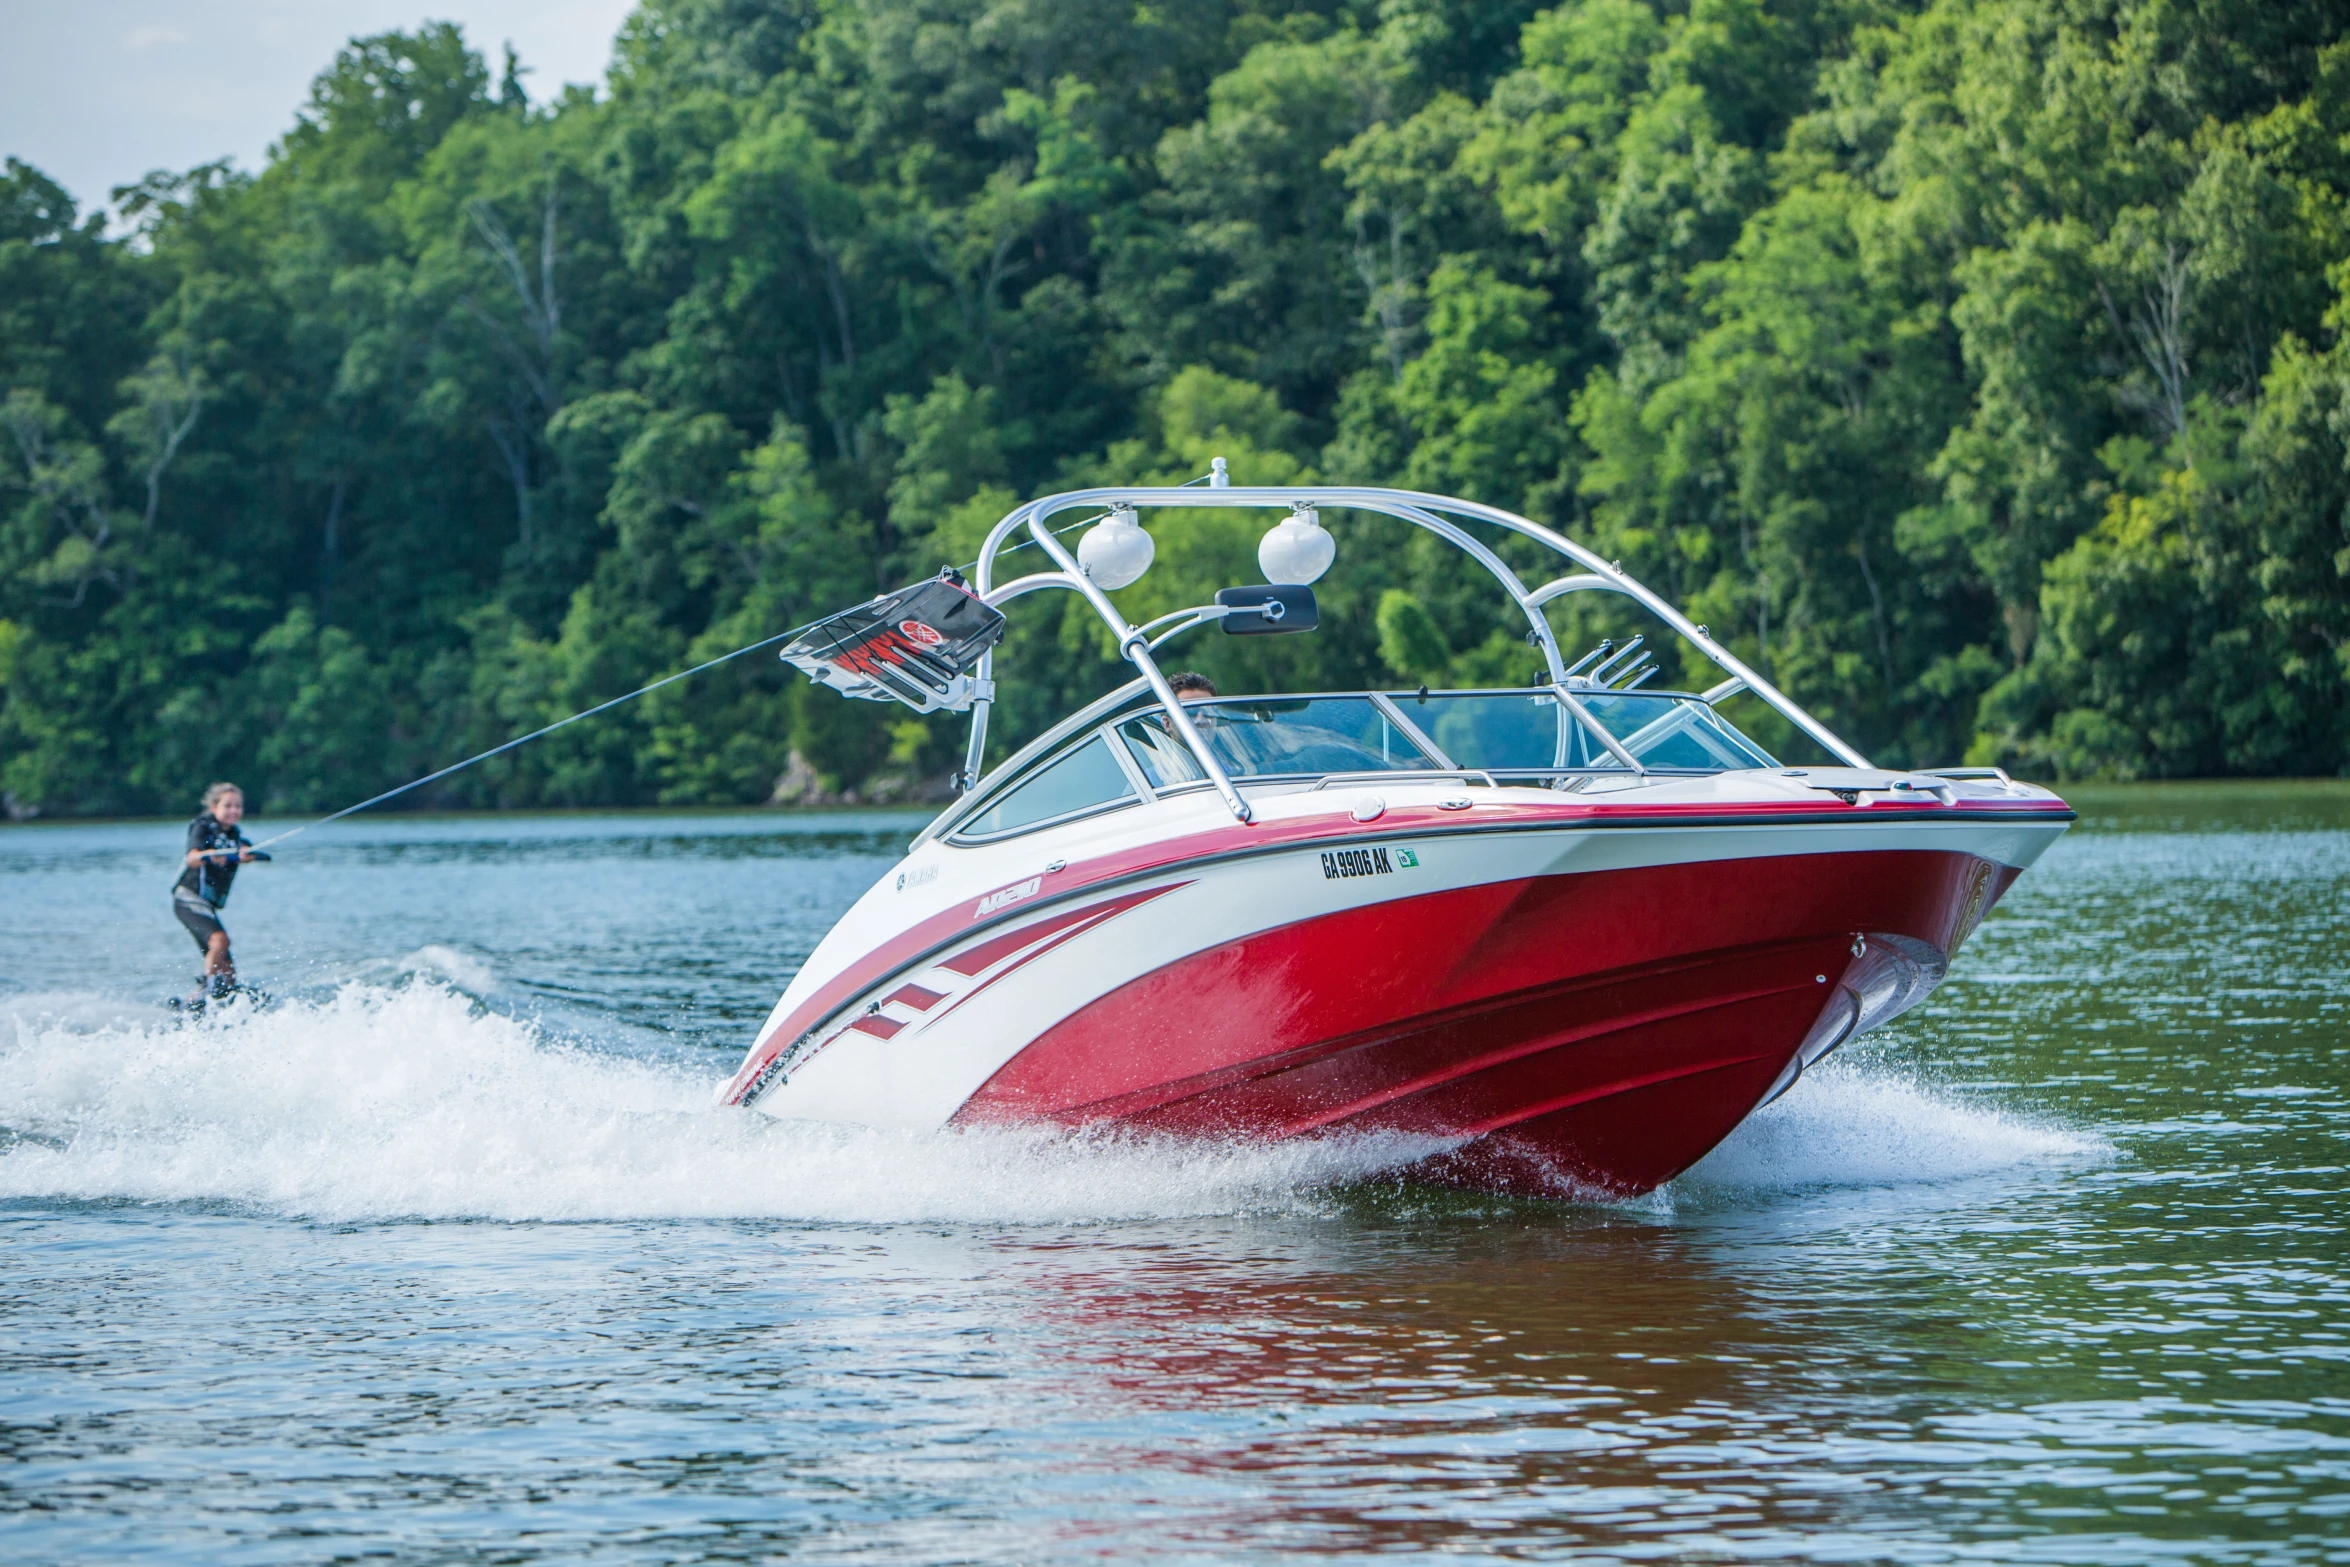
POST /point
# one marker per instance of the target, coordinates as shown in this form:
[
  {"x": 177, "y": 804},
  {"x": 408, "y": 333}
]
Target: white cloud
[{"x": 152, "y": 34}]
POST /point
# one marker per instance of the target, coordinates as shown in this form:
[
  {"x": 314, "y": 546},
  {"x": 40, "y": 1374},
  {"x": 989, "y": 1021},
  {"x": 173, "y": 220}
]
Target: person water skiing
[{"x": 215, "y": 849}]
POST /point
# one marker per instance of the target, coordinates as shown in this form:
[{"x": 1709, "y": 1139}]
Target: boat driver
[
  {"x": 1192, "y": 688},
  {"x": 1162, "y": 753},
  {"x": 216, "y": 847}
]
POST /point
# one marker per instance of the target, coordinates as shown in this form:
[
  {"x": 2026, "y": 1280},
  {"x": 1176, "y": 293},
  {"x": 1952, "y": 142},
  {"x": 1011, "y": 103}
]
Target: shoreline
[{"x": 294, "y": 819}]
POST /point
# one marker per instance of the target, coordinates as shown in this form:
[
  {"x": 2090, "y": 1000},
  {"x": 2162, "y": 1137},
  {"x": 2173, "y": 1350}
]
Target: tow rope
[
  {"x": 600, "y": 707},
  {"x": 535, "y": 734}
]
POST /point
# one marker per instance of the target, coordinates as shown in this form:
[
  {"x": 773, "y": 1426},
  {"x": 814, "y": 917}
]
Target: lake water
[{"x": 449, "y": 1259}]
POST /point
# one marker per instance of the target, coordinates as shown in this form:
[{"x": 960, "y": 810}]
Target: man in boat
[
  {"x": 216, "y": 847},
  {"x": 1191, "y": 688},
  {"x": 1168, "y": 761}
]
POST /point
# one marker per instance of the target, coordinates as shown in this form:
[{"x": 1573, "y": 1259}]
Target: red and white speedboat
[{"x": 1571, "y": 934}]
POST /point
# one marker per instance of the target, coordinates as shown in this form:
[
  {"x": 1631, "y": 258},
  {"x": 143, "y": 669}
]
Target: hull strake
[{"x": 1511, "y": 1013}]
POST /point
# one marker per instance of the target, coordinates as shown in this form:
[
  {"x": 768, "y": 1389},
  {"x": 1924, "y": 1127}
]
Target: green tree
[{"x": 1976, "y": 366}]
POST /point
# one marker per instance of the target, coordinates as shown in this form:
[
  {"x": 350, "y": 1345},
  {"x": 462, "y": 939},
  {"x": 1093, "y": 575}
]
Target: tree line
[{"x": 1976, "y": 367}]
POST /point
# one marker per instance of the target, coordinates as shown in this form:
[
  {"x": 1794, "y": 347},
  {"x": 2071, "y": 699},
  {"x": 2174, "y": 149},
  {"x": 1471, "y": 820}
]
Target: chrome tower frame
[{"x": 1431, "y": 512}]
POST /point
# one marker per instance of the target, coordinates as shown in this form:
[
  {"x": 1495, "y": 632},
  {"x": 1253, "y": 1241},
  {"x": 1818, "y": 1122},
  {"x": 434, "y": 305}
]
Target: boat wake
[
  {"x": 1857, "y": 1124},
  {"x": 459, "y": 970},
  {"x": 413, "y": 1101}
]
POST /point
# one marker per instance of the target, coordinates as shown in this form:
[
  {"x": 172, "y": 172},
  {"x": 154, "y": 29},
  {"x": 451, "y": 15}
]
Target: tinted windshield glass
[
  {"x": 1666, "y": 731},
  {"x": 1337, "y": 734},
  {"x": 1088, "y": 776},
  {"x": 1165, "y": 760},
  {"x": 1507, "y": 730},
  {"x": 1502, "y": 730}
]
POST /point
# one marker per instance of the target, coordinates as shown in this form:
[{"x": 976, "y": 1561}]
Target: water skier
[{"x": 215, "y": 849}]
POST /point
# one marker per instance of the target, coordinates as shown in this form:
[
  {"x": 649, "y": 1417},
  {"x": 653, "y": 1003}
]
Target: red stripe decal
[
  {"x": 979, "y": 959},
  {"x": 908, "y": 947},
  {"x": 914, "y": 996},
  {"x": 1095, "y": 916}
]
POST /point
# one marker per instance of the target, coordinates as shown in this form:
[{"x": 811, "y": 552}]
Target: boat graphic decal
[
  {"x": 1005, "y": 895},
  {"x": 934, "y": 989},
  {"x": 977, "y": 959},
  {"x": 1059, "y": 934}
]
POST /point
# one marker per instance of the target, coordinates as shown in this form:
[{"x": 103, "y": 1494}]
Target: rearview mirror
[{"x": 1269, "y": 610}]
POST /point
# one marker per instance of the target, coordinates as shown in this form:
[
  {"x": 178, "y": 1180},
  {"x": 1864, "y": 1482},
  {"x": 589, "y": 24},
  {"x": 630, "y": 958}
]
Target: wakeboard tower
[{"x": 1558, "y": 938}]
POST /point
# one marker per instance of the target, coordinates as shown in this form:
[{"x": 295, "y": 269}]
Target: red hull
[{"x": 1583, "y": 1032}]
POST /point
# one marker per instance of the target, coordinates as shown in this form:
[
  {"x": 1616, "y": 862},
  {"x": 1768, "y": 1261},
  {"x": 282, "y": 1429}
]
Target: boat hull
[
  {"x": 1555, "y": 1007},
  {"x": 1596, "y": 1031}
]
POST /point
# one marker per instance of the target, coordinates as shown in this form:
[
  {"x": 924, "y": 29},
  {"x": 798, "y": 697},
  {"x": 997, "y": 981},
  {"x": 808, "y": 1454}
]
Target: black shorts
[{"x": 201, "y": 918}]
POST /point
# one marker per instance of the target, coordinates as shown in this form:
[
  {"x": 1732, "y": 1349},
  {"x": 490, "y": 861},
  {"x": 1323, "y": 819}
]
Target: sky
[{"x": 95, "y": 93}]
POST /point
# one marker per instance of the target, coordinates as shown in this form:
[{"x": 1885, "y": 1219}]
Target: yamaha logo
[{"x": 921, "y": 635}]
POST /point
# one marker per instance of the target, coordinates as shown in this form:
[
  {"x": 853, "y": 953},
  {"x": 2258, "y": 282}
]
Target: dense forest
[{"x": 1980, "y": 363}]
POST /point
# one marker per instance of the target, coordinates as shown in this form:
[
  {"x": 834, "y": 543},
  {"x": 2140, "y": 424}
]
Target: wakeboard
[{"x": 202, "y": 1000}]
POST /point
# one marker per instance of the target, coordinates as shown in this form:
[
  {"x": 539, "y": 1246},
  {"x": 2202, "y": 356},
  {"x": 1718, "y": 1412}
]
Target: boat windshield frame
[
  {"x": 1105, "y": 720},
  {"x": 1441, "y": 515}
]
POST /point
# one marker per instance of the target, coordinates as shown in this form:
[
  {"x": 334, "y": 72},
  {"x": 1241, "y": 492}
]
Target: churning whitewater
[{"x": 413, "y": 1100}]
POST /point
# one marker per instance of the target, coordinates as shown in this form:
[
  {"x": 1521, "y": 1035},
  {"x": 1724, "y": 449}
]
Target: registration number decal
[{"x": 1340, "y": 864}]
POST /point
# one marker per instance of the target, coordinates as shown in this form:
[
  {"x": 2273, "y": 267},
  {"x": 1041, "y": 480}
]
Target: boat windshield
[
  {"x": 1497, "y": 732},
  {"x": 1522, "y": 731},
  {"x": 1273, "y": 738},
  {"x": 1078, "y": 782}
]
